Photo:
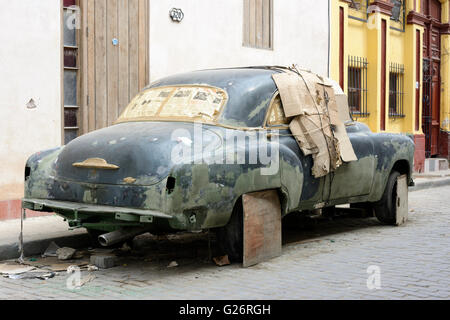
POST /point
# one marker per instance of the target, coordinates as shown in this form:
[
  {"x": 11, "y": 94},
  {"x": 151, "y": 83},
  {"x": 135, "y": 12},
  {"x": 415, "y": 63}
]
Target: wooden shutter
[{"x": 258, "y": 24}]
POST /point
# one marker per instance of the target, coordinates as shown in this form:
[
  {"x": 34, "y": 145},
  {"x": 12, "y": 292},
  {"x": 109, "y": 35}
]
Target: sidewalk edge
[{"x": 430, "y": 184}]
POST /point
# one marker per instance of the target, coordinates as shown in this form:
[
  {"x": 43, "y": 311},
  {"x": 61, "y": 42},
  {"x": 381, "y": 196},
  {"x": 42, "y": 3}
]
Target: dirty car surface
[{"x": 125, "y": 176}]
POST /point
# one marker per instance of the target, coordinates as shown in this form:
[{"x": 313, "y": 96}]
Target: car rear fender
[{"x": 395, "y": 152}]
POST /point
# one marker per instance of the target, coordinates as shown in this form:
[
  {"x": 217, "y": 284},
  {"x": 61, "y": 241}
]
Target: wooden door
[
  {"x": 116, "y": 56},
  {"x": 432, "y": 72},
  {"x": 435, "y": 107}
]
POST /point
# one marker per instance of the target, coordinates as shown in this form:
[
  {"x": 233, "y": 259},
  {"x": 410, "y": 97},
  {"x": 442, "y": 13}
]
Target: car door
[{"x": 355, "y": 178}]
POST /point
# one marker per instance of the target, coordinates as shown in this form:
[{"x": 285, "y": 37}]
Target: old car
[{"x": 148, "y": 171}]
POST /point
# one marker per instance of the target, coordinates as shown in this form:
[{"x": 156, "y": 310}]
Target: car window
[
  {"x": 276, "y": 114},
  {"x": 176, "y": 102}
]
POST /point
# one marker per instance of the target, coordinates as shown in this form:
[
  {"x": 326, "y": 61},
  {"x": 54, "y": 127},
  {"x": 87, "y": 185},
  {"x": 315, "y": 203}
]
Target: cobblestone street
[{"x": 329, "y": 261}]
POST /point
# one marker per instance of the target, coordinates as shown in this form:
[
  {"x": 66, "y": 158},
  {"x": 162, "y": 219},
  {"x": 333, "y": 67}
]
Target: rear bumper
[{"x": 120, "y": 213}]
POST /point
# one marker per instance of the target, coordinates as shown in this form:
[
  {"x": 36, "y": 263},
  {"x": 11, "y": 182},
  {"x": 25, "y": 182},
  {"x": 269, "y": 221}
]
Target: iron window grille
[
  {"x": 396, "y": 94},
  {"x": 399, "y": 14},
  {"x": 360, "y": 6},
  {"x": 357, "y": 86}
]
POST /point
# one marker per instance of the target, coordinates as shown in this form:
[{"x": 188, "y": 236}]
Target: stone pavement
[{"x": 328, "y": 261}]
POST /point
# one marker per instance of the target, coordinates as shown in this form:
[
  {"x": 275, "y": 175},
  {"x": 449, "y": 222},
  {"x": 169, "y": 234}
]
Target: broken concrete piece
[
  {"x": 104, "y": 261},
  {"x": 222, "y": 261},
  {"x": 51, "y": 250},
  {"x": 65, "y": 253}
]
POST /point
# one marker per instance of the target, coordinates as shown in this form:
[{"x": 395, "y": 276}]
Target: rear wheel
[
  {"x": 231, "y": 237},
  {"x": 386, "y": 209}
]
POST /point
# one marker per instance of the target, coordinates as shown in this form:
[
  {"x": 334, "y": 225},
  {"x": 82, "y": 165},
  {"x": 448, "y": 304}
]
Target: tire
[
  {"x": 386, "y": 208},
  {"x": 231, "y": 237}
]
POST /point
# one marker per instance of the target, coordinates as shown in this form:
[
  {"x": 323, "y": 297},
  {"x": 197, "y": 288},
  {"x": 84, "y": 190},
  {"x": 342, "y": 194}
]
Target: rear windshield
[{"x": 199, "y": 103}]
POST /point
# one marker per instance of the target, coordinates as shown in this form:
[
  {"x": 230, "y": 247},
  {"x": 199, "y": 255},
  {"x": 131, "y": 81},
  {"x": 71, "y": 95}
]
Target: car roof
[
  {"x": 220, "y": 77},
  {"x": 250, "y": 91}
]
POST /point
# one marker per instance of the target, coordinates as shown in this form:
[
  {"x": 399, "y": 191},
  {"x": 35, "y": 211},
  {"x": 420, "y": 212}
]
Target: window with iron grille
[
  {"x": 396, "y": 77},
  {"x": 357, "y": 86}
]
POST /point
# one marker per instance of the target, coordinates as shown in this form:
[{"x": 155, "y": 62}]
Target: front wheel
[{"x": 386, "y": 208}]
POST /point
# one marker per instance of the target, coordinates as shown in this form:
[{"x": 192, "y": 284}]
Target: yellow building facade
[{"x": 392, "y": 59}]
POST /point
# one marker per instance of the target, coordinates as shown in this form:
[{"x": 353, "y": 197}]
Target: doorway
[
  {"x": 431, "y": 77},
  {"x": 115, "y": 56}
]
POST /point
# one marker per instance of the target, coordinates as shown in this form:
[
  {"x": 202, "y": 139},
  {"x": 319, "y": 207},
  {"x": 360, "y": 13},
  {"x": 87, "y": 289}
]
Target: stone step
[{"x": 436, "y": 164}]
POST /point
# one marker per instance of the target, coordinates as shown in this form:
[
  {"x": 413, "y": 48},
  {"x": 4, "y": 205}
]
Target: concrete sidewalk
[
  {"x": 430, "y": 180},
  {"x": 41, "y": 231},
  {"x": 38, "y": 234}
]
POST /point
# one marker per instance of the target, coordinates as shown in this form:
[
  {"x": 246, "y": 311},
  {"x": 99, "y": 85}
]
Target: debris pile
[{"x": 51, "y": 263}]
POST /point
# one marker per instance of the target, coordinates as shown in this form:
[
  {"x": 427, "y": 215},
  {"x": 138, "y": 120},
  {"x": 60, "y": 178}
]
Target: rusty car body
[{"x": 123, "y": 177}]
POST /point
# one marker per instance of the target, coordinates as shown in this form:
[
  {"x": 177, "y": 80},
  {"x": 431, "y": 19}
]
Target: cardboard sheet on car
[{"x": 316, "y": 122}]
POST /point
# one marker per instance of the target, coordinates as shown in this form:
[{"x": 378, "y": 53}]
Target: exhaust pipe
[{"x": 108, "y": 239}]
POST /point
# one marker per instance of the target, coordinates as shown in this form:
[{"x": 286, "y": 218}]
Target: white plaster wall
[
  {"x": 211, "y": 36},
  {"x": 30, "y": 68}
]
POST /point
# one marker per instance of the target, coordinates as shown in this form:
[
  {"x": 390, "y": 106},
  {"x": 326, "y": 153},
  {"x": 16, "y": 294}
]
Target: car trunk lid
[{"x": 137, "y": 153}]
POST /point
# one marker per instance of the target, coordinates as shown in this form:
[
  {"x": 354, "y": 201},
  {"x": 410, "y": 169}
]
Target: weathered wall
[
  {"x": 211, "y": 36},
  {"x": 30, "y": 65}
]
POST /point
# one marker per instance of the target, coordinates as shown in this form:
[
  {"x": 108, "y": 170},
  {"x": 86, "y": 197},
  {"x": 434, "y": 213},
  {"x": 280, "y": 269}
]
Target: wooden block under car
[
  {"x": 402, "y": 200},
  {"x": 262, "y": 227}
]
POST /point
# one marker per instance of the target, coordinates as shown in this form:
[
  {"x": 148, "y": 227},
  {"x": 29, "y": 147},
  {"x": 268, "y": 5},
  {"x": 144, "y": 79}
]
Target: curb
[
  {"x": 37, "y": 247},
  {"x": 430, "y": 184}
]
